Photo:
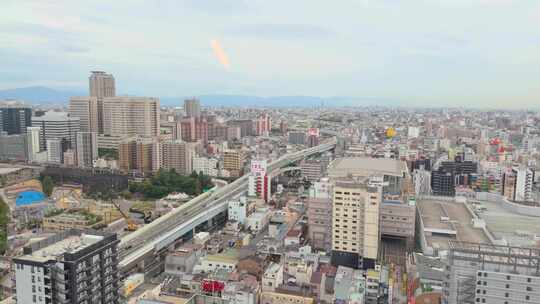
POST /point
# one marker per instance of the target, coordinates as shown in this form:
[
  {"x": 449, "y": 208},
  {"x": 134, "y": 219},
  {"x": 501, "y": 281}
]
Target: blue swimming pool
[{"x": 29, "y": 197}]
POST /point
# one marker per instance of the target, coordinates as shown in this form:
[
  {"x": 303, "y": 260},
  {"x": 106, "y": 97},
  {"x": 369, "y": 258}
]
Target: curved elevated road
[{"x": 165, "y": 230}]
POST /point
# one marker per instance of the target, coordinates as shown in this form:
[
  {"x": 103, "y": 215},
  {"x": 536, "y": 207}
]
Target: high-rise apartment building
[
  {"x": 101, "y": 84},
  {"x": 131, "y": 116},
  {"x": 355, "y": 222},
  {"x": 263, "y": 125},
  {"x": 194, "y": 129},
  {"x": 233, "y": 161},
  {"x": 259, "y": 183},
  {"x": 297, "y": 138},
  {"x": 245, "y": 125},
  {"x": 178, "y": 155},
  {"x": 14, "y": 118},
  {"x": 192, "y": 107},
  {"x": 57, "y": 125},
  {"x": 139, "y": 154},
  {"x": 87, "y": 149},
  {"x": 69, "y": 267},
  {"x": 517, "y": 184},
  {"x": 87, "y": 110}
]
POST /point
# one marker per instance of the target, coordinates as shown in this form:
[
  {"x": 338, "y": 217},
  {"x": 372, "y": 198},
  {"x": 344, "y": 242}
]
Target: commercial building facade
[
  {"x": 57, "y": 125},
  {"x": 14, "y": 119},
  {"x": 355, "y": 223}
]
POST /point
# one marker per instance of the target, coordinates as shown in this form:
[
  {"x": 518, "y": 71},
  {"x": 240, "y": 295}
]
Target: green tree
[
  {"x": 3, "y": 181},
  {"x": 48, "y": 185},
  {"x": 4, "y": 219}
]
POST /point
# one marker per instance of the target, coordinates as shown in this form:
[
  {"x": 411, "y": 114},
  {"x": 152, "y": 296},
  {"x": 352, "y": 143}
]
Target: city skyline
[{"x": 449, "y": 53}]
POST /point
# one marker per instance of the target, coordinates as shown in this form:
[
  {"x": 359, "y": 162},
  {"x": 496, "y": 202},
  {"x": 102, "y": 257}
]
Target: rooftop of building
[
  {"x": 446, "y": 221},
  {"x": 56, "y": 246},
  {"x": 516, "y": 229},
  {"x": 228, "y": 256},
  {"x": 272, "y": 268},
  {"x": 54, "y": 116},
  {"x": 366, "y": 166},
  {"x": 293, "y": 290},
  {"x": 347, "y": 282},
  {"x": 186, "y": 250}
]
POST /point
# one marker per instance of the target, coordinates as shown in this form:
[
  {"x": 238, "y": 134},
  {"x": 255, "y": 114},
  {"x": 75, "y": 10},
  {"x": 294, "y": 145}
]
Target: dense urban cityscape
[{"x": 118, "y": 199}]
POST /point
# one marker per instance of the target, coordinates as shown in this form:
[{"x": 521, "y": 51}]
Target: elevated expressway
[{"x": 154, "y": 238}]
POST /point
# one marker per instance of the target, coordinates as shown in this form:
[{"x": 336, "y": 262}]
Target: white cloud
[{"x": 317, "y": 47}]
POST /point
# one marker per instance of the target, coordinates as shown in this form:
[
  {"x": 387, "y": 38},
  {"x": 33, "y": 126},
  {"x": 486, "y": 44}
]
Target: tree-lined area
[
  {"x": 167, "y": 181},
  {"x": 4, "y": 219}
]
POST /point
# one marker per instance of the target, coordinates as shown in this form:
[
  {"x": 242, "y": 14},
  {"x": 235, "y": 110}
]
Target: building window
[{"x": 529, "y": 288}]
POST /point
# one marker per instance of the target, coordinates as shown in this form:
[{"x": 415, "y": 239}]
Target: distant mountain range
[
  {"x": 39, "y": 95},
  {"x": 48, "y": 96}
]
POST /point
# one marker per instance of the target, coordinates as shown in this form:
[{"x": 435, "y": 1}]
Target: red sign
[
  {"x": 313, "y": 131},
  {"x": 212, "y": 286}
]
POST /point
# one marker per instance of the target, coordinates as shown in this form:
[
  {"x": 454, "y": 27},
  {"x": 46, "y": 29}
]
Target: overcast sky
[{"x": 452, "y": 52}]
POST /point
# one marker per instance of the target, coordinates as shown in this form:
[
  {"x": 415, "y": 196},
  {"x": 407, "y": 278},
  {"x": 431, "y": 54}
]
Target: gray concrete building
[
  {"x": 484, "y": 273},
  {"x": 13, "y": 147},
  {"x": 397, "y": 220}
]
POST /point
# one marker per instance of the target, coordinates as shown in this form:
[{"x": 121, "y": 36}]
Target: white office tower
[
  {"x": 524, "y": 183},
  {"x": 259, "y": 182},
  {"x": 54, "y": 151},
  {"x": 57, "y": 125},
  {"x": 87, "y": 149},
  {"x": 32, "y": 134}
]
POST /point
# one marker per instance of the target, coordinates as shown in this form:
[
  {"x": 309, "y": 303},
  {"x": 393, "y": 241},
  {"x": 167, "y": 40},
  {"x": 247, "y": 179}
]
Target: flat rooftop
[
  {"x": 448, "y": 221},
  {"x": 516, "y": 229},
  {"x": 70, "y": 244},
  {"x": 366, "y": 166}
]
